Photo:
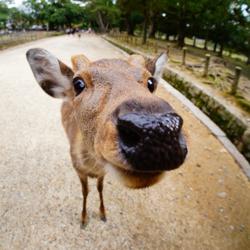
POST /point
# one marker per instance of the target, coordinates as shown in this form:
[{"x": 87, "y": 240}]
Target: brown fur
[
  {"x": 87, "y": 118},
  {"x": 88, "y": 158}
]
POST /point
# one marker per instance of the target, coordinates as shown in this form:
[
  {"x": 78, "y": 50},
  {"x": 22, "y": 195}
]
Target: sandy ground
[{"x": 203, "y": 205}]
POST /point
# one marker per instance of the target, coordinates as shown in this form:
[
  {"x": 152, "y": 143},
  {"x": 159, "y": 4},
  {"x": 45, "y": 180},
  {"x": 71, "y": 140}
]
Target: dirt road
[{"x": 203, "y": 205}]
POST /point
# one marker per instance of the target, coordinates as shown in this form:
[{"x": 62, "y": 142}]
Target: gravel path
[{"x": 203, "y": 205}]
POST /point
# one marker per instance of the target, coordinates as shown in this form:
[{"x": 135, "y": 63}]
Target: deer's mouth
[{"x": 134, "y": 179}]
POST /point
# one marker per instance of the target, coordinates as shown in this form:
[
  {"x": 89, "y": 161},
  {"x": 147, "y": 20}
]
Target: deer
[{"x": 113, "y": 120}]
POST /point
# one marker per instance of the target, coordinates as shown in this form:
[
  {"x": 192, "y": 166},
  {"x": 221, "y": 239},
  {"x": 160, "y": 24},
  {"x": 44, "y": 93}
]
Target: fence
[
  {"x": 123, "y": 37},
  {"x": 15, "y": 38}
]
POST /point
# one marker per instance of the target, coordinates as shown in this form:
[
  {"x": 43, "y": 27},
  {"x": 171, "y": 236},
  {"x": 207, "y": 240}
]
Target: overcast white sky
[{"x": 16, "y": 3}]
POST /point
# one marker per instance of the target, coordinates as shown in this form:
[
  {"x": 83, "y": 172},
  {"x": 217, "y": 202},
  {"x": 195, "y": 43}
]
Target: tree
[
  {"x": 61, "y": 14},
  {"x": 55, "y": 13},
  {"x": 240, "y": 34},
  {"x": 157, "y": 9},
  {"x": 104, "y": 12},
  {"x": 148, "y": 10},
  {"x": 37, "y": 10},
  {"x": 130, "y": 14},
  {"x": 184, "y": 15},
  {"x": 4, "y": 14},
  {"x": 19, "y": 19},
  {"x": 225, "y": 20},
  {"x": 226, "y": 23}
]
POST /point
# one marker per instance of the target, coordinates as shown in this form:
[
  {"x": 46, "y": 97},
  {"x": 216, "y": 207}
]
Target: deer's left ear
[{"x": 156, "y": 66}]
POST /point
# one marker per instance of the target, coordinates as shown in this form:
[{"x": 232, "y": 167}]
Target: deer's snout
[{"x": 152, "y": 142}]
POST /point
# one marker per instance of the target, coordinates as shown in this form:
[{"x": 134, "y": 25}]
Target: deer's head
[{"x": 125, "y": 126}]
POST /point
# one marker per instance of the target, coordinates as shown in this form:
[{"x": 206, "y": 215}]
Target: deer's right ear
[
  {"x": 79, "y": 62},
  {"x": 54, "y": 77}
]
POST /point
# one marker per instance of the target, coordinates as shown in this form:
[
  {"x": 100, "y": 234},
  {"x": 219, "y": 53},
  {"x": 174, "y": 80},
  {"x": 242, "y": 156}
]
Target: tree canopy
[{"x": 225, "y": 23}]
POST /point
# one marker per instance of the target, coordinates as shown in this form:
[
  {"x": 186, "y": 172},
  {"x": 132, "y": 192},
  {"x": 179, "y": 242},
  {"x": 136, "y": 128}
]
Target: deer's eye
[
  {"x": 151, "y": 84},
  {"x": 79, "y": 85}
]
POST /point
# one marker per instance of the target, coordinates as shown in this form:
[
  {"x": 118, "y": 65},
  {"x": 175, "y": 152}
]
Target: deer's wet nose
[{"x": 152, "y": 142}]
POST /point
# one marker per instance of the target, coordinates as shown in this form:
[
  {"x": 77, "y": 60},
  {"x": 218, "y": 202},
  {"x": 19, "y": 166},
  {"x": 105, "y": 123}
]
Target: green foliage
[
  {"x": 226, "y": 22},
  {"x": 131, "y": 15},
  {"x": 4, "y": 13},
  {"x": 245, "y": 104},
  {"x": 55, "y": 13},
  {"x": 104, "y": 13},
  {"x": 240, "y": 41},
  {"x": 19, "y": 19}
]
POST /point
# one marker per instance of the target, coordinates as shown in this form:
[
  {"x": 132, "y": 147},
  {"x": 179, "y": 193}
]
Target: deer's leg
[
  {"x": 84, "y": 182},
  {"x": 100, "y": 189}
]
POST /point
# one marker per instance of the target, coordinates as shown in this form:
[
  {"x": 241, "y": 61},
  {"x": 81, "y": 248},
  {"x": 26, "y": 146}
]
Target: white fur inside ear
[
  {"x": 159, "y": 66},
  {"x": 58, "y": 92}
]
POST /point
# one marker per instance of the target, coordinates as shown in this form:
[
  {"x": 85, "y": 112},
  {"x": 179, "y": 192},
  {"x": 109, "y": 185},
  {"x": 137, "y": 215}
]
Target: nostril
[
  {"x": 128, "y": 136},
  {"x": 129, "y": 130},
  {"x": 184, "y": 150},
  {"x": 183, "y": 145},
  {"x": 151, "y": 142}
]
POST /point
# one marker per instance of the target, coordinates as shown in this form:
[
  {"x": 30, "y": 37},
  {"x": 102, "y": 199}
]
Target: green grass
[
  {"x": 226, "y": 53},
  {"x": 245, "y": 104}
]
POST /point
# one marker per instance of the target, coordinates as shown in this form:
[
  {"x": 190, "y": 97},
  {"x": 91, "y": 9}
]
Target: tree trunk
[
  {"x": 167, "y": 36},
  {"x": 248, "y": 60},
  {"x": 181, "y": 38},
  {"x": 220, "y": 54},
  {"x": 182, "y": 23},
  {"x": 182, "y": 33},
  {"x": 194, "y": 42},
  {"x": 130, "y": 25},
  {"x": 153, "y": 29},
  {"x": 205, "y": 44},
  {"x": 215, "y": 47},
  {"x": 100, "y": 22},
  {"x": 145, "y": 28}
]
